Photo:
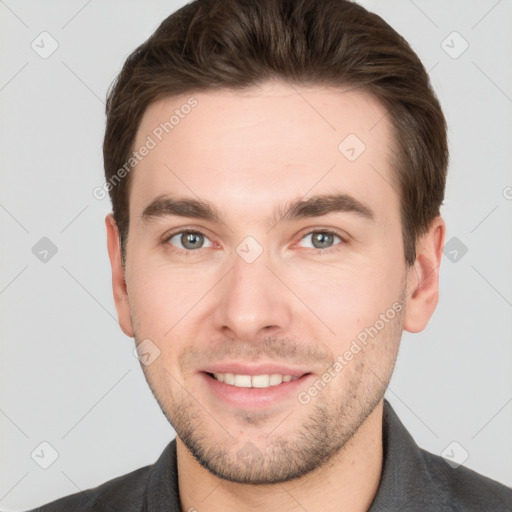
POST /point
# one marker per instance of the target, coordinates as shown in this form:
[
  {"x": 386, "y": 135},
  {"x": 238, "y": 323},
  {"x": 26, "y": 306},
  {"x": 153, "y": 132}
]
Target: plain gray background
[{"x": 68, "y": 374}]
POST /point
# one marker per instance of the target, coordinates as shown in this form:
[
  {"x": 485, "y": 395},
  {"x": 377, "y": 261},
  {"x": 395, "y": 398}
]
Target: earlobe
[
  {"x": 423, "y": 278},
  {"x": 118, "y": 276}
]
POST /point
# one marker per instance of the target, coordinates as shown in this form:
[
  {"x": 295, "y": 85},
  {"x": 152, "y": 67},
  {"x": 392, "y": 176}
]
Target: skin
[{"x": 247, "y": 154}]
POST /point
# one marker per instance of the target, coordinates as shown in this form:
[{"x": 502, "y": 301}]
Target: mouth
[
  {"x": 254, "y": 390},
  {"x": 253, "y": 381}
]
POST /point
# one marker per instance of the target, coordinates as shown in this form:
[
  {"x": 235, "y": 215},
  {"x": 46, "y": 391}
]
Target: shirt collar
[
  {"x": 405, "y": 477},
  {"x": 162, "y": 494}
]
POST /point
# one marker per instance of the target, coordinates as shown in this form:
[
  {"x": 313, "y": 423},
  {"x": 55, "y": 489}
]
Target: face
[{"x": 260, "y": 247}]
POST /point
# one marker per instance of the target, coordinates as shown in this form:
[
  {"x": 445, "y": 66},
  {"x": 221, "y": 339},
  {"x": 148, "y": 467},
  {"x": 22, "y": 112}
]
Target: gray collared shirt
[{"x": 412, "y": 479}]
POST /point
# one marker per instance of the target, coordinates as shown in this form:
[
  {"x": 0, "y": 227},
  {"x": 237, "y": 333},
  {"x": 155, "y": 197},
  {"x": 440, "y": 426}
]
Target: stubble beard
[{"x": 268, "y": 456}]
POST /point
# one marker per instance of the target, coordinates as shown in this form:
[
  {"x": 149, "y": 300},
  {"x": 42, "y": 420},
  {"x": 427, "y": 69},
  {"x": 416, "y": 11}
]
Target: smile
[{"x": 252, "y": 381}]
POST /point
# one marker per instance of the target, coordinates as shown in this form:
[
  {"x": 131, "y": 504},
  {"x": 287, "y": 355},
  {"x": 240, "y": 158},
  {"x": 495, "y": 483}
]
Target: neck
[{"x": 347, "y": 482}]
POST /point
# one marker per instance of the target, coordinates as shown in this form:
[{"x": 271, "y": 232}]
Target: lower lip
[{"x": 254, "y": 398}]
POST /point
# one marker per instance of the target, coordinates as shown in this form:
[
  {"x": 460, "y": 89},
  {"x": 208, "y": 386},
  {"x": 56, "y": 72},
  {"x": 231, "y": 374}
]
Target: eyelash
[{"x": 191, "y": 253}]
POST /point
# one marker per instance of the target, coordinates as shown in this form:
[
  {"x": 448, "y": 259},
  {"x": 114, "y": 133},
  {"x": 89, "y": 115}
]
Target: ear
[
  {"x": 423, "y": 278},
  {"x": 118, "y": 276}
]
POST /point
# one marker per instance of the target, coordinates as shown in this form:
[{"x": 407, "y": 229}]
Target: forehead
[{"x": 249, "y": 150}]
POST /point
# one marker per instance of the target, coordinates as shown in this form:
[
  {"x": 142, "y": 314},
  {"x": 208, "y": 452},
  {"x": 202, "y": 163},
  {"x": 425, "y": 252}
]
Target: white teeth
[
  {"x": 275, "y": 379},
  {"x": 253, "y": 381},
  {"x": 260, "y": 381},
  {"x": 243, "y": 381}
]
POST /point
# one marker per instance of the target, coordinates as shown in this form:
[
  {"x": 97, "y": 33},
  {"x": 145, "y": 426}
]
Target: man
[{"x": 276, "y": 170}]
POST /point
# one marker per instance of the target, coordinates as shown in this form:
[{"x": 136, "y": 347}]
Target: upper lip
[{"x": 240, "y": 368}]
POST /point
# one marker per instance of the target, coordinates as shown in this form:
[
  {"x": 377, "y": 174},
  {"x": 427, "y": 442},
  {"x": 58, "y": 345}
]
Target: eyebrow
[{"x": 315, "y": 206}]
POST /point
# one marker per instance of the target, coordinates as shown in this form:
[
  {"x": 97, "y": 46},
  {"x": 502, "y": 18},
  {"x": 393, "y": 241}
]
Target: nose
[{"x": 253, "y": 302}]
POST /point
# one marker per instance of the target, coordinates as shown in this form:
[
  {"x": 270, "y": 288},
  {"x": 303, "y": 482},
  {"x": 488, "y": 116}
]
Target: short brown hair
[{"x": 236, "y": 44}]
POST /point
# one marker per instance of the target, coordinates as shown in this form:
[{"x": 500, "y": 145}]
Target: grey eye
[
  {"x": 189, "y": 240},
  {"x": 321, "y": 239}
]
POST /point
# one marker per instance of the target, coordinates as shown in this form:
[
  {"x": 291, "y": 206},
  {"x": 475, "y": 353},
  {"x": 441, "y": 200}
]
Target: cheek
[
  {"x": 350, "y": 298},
  {"x": 154, "y": 299},
  {"x": 163, "y": 296}
]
